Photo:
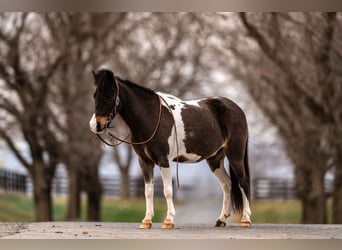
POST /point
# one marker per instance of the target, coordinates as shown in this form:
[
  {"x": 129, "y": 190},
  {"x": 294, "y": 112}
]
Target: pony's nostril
[{"x": 98, "y": 127}]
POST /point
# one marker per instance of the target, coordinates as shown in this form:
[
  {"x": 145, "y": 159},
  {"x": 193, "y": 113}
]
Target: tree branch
[
  {"x": 259, "y": 38},
  {"x": 14, "y": 149},
  {"x": 5, "y": 104},
  {"x": 312, "y": 103}
]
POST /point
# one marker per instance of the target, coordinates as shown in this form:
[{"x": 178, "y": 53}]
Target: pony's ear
[{"x": 94, "y": 75}]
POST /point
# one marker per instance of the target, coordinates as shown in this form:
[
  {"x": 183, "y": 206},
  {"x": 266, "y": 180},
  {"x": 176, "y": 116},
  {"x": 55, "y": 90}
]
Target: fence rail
[
  {"x": 12, "y": 182},
  {"x": 21, "y": 183},
  {"x": 273, "y": 189},
  {"x": 262, "y": 188}
]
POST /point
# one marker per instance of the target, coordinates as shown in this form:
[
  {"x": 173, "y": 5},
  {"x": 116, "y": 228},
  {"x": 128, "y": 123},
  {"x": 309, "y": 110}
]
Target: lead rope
[
  {"x": 151, "y": 137},
  {"x": 176, "y": 135},
  {"x": 109, "y": 144},
  {"x": 134, "y": 143}
]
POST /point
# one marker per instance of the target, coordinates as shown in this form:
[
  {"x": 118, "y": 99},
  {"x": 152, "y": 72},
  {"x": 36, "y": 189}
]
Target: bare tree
[
  {"x": 47, "y": 100},
  {"x": 86, "y": 39},
  {"x": 287, "y": 62},
  {"x": 166, "y": 51},
  {"x": 26, "y": 66},
  {"x": 162, "y": 51}
]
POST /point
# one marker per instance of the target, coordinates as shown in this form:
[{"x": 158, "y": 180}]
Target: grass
[
  {"x": 264, "y": 211},
  {"x": 115, "y": 210},
  {"x": 14, "y": 208},
  {"x": 17, "y": 208},
  {"x": 131, "y": 211},
  {"x": 279, "y": 212}
]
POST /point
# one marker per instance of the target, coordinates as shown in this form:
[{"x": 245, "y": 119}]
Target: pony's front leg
[
  {"x": 146, "y": 223},
  {"x": 147, "y": 170},
  {"x": 166, "y": 174}
]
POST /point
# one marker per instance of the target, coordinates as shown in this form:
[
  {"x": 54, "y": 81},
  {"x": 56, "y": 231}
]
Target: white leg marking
[
  {"x": 166, "y": 174},
  {"x": 246, "y": 213},
  {"x": 225, "y": 184},
  {"x": 149, "y": 190}
]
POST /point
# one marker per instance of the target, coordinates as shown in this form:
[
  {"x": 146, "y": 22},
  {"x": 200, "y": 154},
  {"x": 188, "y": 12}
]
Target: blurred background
[{"x": 283, "y": 69}]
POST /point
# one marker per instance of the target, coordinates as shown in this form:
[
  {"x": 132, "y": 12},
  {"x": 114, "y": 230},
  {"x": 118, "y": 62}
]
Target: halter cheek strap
[{"x": 117, "y": 102}]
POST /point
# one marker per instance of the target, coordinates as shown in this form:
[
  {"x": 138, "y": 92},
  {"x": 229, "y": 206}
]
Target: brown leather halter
[
  {"x": 112, "y": 115},
  {"x": 129, "y": 142},
  {"x": 114, "y": 112}
]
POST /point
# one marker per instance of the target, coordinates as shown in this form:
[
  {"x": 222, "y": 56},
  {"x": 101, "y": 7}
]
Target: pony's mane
[
  {"x": 106, "y": 78},
  {"x": 131, "y": 84}
]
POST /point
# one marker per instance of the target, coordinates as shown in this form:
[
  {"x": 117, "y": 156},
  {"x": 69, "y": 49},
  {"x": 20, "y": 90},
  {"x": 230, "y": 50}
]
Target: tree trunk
[
  {"x": 124, "y": 183},
  {"x": 43, "y": 205},
  {"x": 123, "y": 161},
  {"x": 74, "y": 196},
  {"x": 310, "y": 188},
  {"x": 42, "y": 198},
  {"x": 337, "y": 192},
  {"x": 94, "y": 205},
  {"x": 92, "y": 186}
]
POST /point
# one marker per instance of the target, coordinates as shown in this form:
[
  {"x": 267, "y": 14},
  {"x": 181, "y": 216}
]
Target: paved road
[
  {"x": 194, "y": 220},
  {"x": 89, "y": 230},
  {"x": 198, "y": 211}
]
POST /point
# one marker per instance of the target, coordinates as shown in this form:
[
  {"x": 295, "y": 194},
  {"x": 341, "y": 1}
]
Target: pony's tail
[{"x": 236, "y": 195}]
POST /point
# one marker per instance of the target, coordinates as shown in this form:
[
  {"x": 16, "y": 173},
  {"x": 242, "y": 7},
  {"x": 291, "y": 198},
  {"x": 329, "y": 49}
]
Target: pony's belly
[
  {"x": 178, "y": 148},
  {"x": 188, "y": 158},
  {"x": 187, "y": 142}
]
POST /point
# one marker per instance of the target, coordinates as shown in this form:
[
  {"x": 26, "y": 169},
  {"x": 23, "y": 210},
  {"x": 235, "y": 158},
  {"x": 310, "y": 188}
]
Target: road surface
[
  {"x": 93, "y": 230},
  {"x": 194, "y": 220}
]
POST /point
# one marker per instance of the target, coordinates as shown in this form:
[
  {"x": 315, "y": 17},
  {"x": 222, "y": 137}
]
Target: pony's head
[{"x": 106, "y": 99}]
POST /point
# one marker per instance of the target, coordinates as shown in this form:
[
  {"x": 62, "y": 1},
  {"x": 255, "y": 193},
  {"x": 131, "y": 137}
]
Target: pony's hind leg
[
  {"x": 216, "y": 164},
  {"x": 147, "y": 170},
  {"x": 239, "y": 172},
  {"x": 225, "y": 184},
  {"x": 246, "y": 213},
  {"x": 241, "y": 183}
]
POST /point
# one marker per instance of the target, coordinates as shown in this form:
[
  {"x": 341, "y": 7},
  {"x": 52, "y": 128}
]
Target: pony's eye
[{"x": 109, "y": 100}]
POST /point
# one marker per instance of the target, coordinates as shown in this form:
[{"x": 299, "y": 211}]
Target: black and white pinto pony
[{"x": 164, "y": 129}]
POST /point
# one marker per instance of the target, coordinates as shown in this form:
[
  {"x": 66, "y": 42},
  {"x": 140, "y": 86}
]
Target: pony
[{"x": 165, "y": 128}]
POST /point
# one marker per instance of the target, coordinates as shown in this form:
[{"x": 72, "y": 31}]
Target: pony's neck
[{"x": 139, "y": 110}]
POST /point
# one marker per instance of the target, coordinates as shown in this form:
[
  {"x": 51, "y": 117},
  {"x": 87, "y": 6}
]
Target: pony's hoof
[
  {"x": 168, "y": 225},
  {"x": 145, "y": 225},
  {"x": 220, "y": 223},
  {"x": 246, "y": 224}
]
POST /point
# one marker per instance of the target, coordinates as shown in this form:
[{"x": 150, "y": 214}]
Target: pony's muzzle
[
  {"x": 100, "y": 123},
  {"x": 97, "y": 124}
]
